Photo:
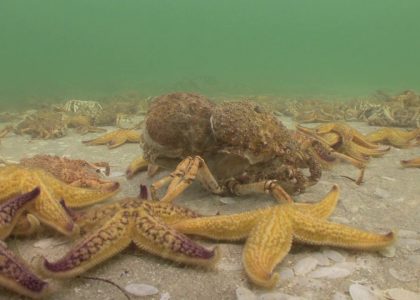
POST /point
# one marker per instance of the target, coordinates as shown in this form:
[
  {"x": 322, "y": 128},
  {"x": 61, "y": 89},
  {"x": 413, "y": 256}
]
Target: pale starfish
[
  {"x": 411, "y": 163},
  {"x": 269, "y": 233},
  {"x": 17, "y": 276},
  {"x": 396, "y": 137},
  {"x": 116, "y": 138},
  {"x": 143, "y": 222},
  {"x": 48, "y": 207},
  {"x": 4, "y": 131}
]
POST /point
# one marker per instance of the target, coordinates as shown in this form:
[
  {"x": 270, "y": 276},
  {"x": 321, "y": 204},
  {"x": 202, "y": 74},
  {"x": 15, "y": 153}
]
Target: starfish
[
  {"x": 17, "y": 276},
  {"x": 116, "y": 138},
  {"x": 347, "y": 140},
  {"x": 4, "y": 131},
  {"x": 113, "y": 227},
  {"x": 411, "y": 163},
  {"x": 269, "y": 233},
  {"x": 396, "y": 137},
  {"x": 49, "y": 207}
]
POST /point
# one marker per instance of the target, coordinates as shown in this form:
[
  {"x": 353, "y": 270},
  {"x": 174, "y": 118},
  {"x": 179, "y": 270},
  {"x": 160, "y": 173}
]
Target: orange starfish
[{"x": 116, "y": 138}]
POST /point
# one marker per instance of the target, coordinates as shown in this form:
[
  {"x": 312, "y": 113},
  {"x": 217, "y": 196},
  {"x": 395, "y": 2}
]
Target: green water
[{"x": 87, "y": 49}]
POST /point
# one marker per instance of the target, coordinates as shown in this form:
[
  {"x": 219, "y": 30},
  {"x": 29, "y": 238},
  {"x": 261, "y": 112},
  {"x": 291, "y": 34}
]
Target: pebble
[
  {"x": 227, "y": 200},
  {"x": 381, "y": 193},
  {"x": 334, "y": 255},
  {"x": 165, "y": 296},
  {"x": 305, "y": 265},
  {"x": 401, "y": 294},
  {"x": 116, "y": 174},
  {"x": 44, "y": 244},
  {"x": 141, "y": 289},
  {"x": 330, "y": 272},
  {"x": 286, "y": 273},
  {"x": 243, "y": 293},
  {"x": 278, "y": 296},
  {"x": 341, "y": 220},
  {"x": 361, "y": 292},
  {"x": 389, "y": 178},
  {"x": 401, "y": 275},
  {"x": 322, "y": 259}
]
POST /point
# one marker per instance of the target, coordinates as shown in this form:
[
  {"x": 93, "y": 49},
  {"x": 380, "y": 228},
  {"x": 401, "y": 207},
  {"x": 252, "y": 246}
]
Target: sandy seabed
[{"x": 388, "y": 199}]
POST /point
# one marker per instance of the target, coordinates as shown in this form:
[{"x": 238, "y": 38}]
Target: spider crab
[{"x": 231, "y": 148}]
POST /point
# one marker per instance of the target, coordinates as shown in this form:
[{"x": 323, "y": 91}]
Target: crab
[
  {"x": 43, "y": 124},
  {"x": 88, "y": 108},
  {"x": 231, "y": 148},
  {"x": 75, "y": 172}
]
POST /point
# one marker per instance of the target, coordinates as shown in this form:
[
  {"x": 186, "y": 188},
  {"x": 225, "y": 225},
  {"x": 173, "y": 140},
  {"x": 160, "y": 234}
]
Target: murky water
[{"x": 90, "y": 49}]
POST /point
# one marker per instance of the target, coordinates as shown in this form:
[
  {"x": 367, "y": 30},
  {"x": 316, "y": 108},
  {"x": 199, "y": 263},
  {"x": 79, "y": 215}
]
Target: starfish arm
[
  {"x": 268, "y": 243},
  {"x": 157, "y": 238},
  {"x": 169, "y": 213},
  {"x": 309, "y": 230},
  {"x": 95, "y": 248},
  {"x": 101, "y": 140},
  {"x": 226, "y": 227},
  {"x": 12, "y": 209},
  {"x": 136, "y": 165},
  {"x": 322, "y": 209},
  {"x": 368, "y": 151},
  {"x": 15, "y": 275},
  {"x": 411, "y": 163},
  {"x": 117, "y": 140},
  {"x": 133, "y": 136},
  {"x": 76, "y": 197}
]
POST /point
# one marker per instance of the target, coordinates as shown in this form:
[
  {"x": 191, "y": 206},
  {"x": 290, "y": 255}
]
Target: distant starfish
[
  {"x": 269, "y": 233},
  {"x": 116, "y": 138}
]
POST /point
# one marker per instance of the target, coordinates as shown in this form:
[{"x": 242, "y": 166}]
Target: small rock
[
  {"x": 334, "y": 255},
  {"x": 243, "y": 293},
  {"x": 305, "y": 265},
  {"x": 330, "y": 272},
  {"x": 361, "y": 292},
  {"x": 44, "y": 244},
  {"x": 388, "y": 178},
  {"x": 116, "y": 174},
  {"x": 141, "y": 289},
  {"x": 381, "y": 193},
  {"x": 286, "y": 273},
  {"x": 165, "y": 296},
  {"x": 278, "y": 296},
  {"x": 401, "y": 275},
  {"x": 401, "y": 294},
  {"x": 227, "y": 200},
  {"x": 322, "y": 259}
]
